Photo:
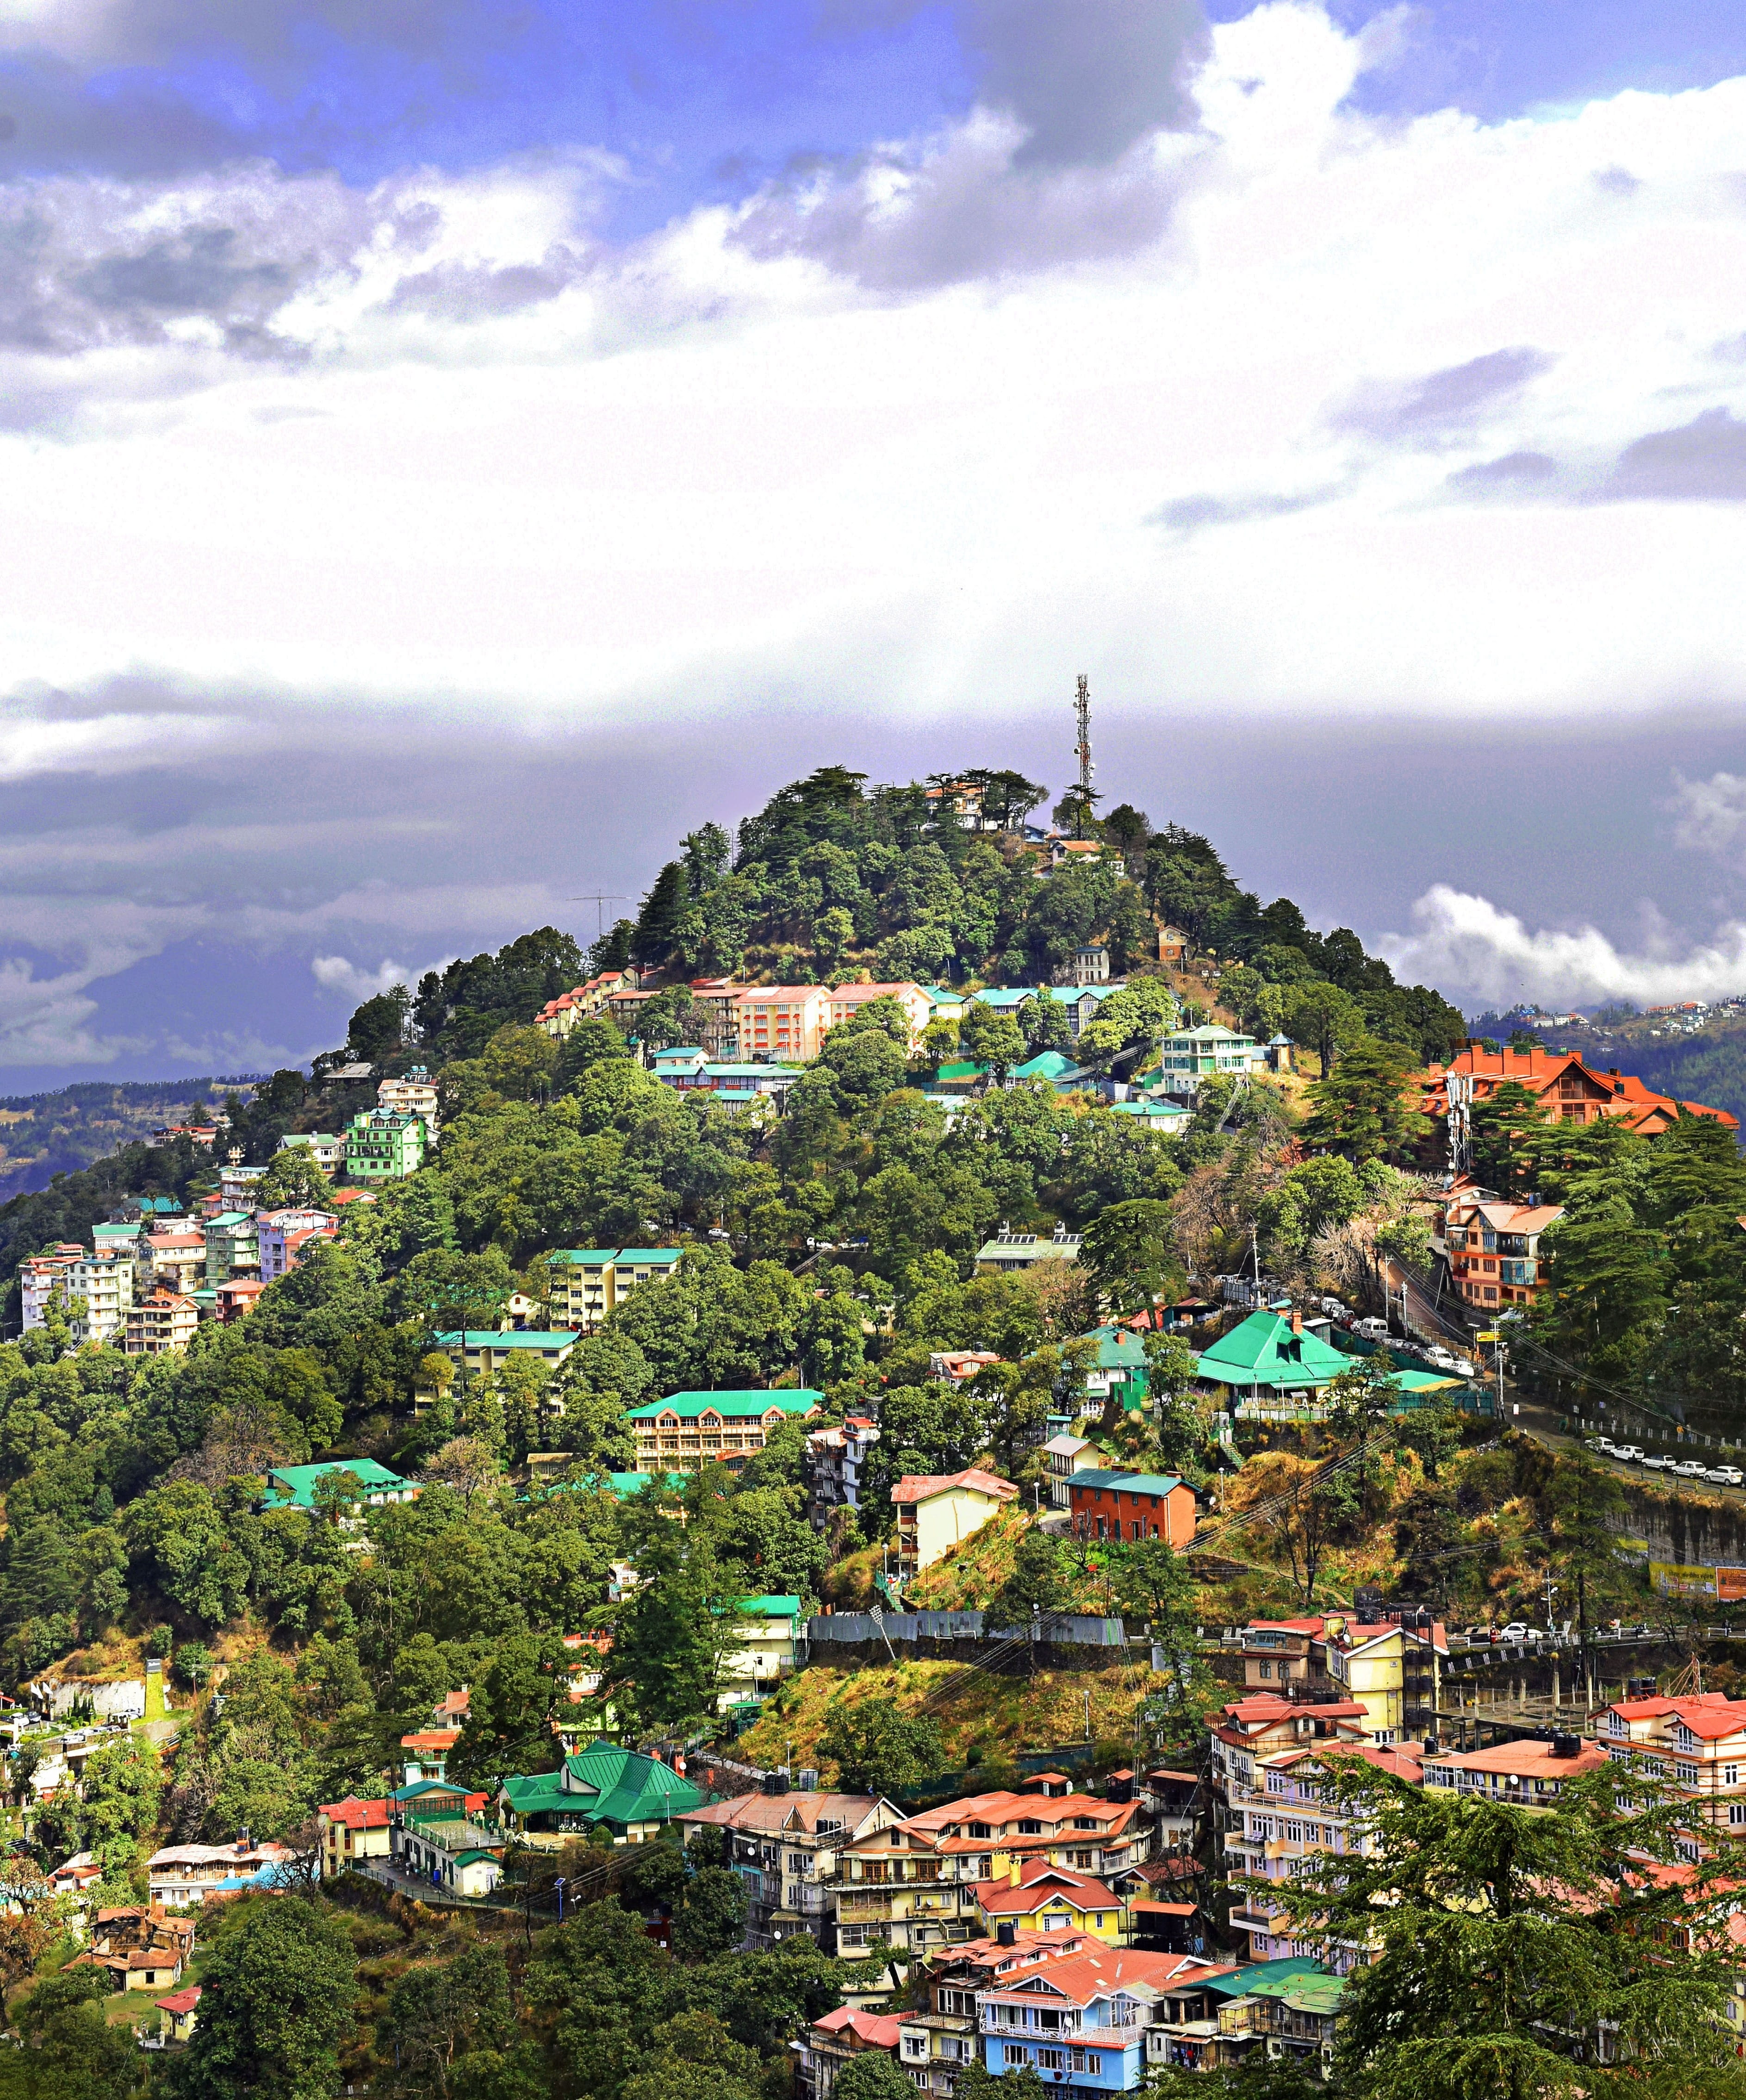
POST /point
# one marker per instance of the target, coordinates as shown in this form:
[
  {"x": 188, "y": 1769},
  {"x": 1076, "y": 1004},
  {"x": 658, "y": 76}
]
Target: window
[
  {"x": 1052, "y": 2059},
  {"x": 1688, "y": 1774},
  {"x": 1267, "y": 1670},
  {"x": 1730, "y": 1774}
]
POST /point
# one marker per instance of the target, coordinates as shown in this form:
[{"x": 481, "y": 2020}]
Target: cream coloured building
[{"x": 937, "y": 1511}]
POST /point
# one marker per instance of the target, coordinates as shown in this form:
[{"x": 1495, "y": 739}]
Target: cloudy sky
[{"x": 451, "y": 446}]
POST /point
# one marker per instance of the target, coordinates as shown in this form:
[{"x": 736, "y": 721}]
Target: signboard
[{"x": 1727, "y": 1585}]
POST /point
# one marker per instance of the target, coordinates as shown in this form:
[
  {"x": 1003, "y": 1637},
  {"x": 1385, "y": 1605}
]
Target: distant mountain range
[{"x": 44, "y": 1135}]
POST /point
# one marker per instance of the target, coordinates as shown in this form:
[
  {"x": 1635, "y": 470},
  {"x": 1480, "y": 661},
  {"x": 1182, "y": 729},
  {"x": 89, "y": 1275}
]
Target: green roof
[
  {"x": 631, "y": 1483},
  {"x": 512, "y": 1337},
  {"x": 1125, "y": 1483},
  {"x": 965, "y": 1069},
  {"x": 1118, "y": 1349},
  {"x": 1048, "y": 1065},
  {"x": 229, "y": 1221},
  {"x": 647, "y": 1254},
  {"x": 297, "y": 1484},
  {"x": 1303, "y": 1994},
  {"x": 771, "y": 1607},
  {"x": 612, "y": 1784},
  {"x": 1264, "y": 1351},
  {"x": 542, "y": 1793},
  {"x": 467, "y": 1857},
  {"x": 688, "y": 1406},
  {"x": 583, "y": 1257},
  {"x": 1246, "y": 1979}
]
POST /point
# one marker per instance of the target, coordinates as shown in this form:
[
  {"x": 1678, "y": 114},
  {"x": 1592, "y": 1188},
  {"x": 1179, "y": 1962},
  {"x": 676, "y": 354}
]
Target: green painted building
[
  {"x": 1265, "y": 1361},
  {"x": 635, "y": 1796},
  {"x": 383, "y": 1145},
  {"x": 233, "y": 1247},
  {"x": 1194, "y": 1054},
  {"x": 296, "y": 1485}
]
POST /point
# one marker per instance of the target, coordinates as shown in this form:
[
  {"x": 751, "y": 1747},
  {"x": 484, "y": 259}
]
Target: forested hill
[
  {"x": 44, "y": 1135},
  {"x": 833, "y": 880}
]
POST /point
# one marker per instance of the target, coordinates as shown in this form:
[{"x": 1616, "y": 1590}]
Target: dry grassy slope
[
  {"x": 969, "y": 1577},
  {"x": 983, "y": 1712}
]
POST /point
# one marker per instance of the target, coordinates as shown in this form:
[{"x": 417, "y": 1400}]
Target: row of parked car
[
  {"x": 1377, "y": 1331},
  {"x": 1685, "y": 1469}
]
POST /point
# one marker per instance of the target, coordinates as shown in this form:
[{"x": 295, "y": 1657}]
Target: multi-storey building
[
  {"x": 676, "y": 1434},
  {"x": 1529, "y": 1773},
  {"x": 1035, "y": 1895},
  {"x": 588, "y": 1282},
  {"x": 488, "y": 1349},
  {"x": 383, "y": 1145},
  {"x": 415, "y": 1095},
  {"x": 326, "y": 1150},
  {"x": 1280, "y": 1815},
  {"x": 825, "y": 2046},
  {"x": 43, "y": 1280},
  {"x": 937, "y": 2042},
  {"x": 233, "y": 1247},
  {"x": 1194, "y": 1054},
  {"x": 1568, "y": 1089},
  {"x": 1108, "y": 1502},
  {"x": 1692, "y": 1747},
  {"x": 1081, "y": 2023},
  {"x": 1493, "y": 1248},
  {"x": 284, "y": 1236},
  {"x": 783, "y": 1020},
  {"x": 936, "y": 1511},
  {"x": 102, "y": 1282},
  {"x": 834, "y": 1458},
  {"x": 176, "y": 1259},
  {"x": 1247, "y": 1730},
  {"x": 847, "y": 1000},
  {"x": 161, "y": 1324},
  {"x": 560, "y": 1015},
  {"x": 784, "y": 1847},
  {"x": 1394, "y": 1670},
  {"x": 1281, "y": 1651}
]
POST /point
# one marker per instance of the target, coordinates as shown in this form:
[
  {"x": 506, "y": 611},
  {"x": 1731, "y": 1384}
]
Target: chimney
[{"x": 1297, "y": 1321}]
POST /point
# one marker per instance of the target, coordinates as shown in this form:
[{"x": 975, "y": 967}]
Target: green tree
[
  {"x": 1499, "y": 1123},
  {"x": 876, "y": 1747},
  {"x": 873, "y": 2074},
  {"x": 711, "y": 1917},
  {"x": 991, "y": 1038},
  {"x": 70, "y": 2050},
  {"x": 176, "y": 1531},
  {"x": 277, "y": 1999},
  {"x": 1128, "y": 1250},
  {"x": 1038, "y": 1583},
  {"x": 1588, "y": 1510},
  {"x": 378, "y": 1027},
  {"x": 440, "y": 2013},
  {"x": 293, "y": 1182},
  {"x": 1366, "y": 1107},
  {"x": 673, "y": 1635}
]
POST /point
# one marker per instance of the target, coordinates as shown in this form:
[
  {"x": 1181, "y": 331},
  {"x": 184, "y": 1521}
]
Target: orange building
[
  {"x": 1494, "y": 1248},
  {"x": 1568, "y": 1090}
]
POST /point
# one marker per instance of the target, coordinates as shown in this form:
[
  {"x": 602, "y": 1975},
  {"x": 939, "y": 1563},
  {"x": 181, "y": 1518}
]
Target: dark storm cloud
[
  {"x": 1704, "y": 461},
  {"x": 1442, "y": 402}
]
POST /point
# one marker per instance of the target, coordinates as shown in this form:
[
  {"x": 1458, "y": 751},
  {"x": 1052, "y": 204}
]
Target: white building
[
  {"x": 104, "y": 1281},
  {"x": 415, "y": 1095}
]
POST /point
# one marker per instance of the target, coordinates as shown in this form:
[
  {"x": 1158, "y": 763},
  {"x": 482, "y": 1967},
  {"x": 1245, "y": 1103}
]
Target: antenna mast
[{"x": 1082, "y": 708}]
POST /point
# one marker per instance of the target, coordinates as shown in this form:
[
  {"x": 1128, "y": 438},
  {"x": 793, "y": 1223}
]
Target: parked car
[
  {"x": 1689, "y": 1469},
  {"x": 1441, "y": 1358},
  {"x": 1725, "y": 1476},
  {"x": 1658, "y": 1465},
  {"x": 1334, "y": 1309},
  {"x": 1603, "y": 1444},
  {"x": 1480, "y": 1636},
  {"x": 1518, "y": 1631},
  {"x": 1631, "y": 1453},
  {"x": 1372, "y": 1330}
]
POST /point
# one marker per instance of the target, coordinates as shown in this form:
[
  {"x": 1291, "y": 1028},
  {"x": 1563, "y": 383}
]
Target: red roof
[
  {"x": 358, "y": 1814},
  {"x": 1083, "y": 1976},
  {"x": 872, "y": 2030},
  {"x": 183, "y": 2001},
  {"x": 923, "y": 1487},
  {"x": 1037, "y": 1880},
  {"x": 1709, "y": 1714},
  {"x": 431, "y": 1739}
]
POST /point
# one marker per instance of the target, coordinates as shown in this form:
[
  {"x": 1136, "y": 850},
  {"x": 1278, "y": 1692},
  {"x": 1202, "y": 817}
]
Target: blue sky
[{"x": 453, "y": 448}]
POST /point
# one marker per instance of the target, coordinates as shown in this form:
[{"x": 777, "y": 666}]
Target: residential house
[
  {"x": 480, "y": 1349},
  {"x": 178, "y": 1875},
  {"x": 1494, "y": 1250},
  {"x": 1060, "y": 853},
  {"x": 327, "y": 1151},
  {"x": 138, "y": 1947},
  {"x": 958, "y": 1367},
  {"x": 1010, "y": 1253},
  {"x": 383, "y": 1146},
  {"x": 1089, "y": 965},
  {"x": 1289, "y": 2016},
  {"x": 236, "y": 1182},
  {"x": 1280, "y": 1652},
  {"x": 284, "y": 1237},
  {"x": 1280, "y": 1815},
  {"x": 715, "y": 1010},
  {"x": 785, "y": 1848},
  {"x": 1529, "y": 1773},
  {"x": 1108, "y": 1502},
  {"x": 415, "y": 1095},
  {"x": 772, "y": 1646},
  {"x": 1245, "y": 1730},
  {"x": 787, "y": 1022},
  {"x": 1272, "y": 1362},
  {"x": 297, "y": 1486},
  {"x": 1035, "y": 1895},
  {"x": 940, "y": 2039},
  {"x": 936, "y": 1511},
  {"x": 102, "y": 1282},
  {"x": 1118, "y": 1370},
  {"x": 161, "y": 1324},
  {"x": 835, "y": 1461},
  {"x": 43, "y": 1280},
  {"x": 1067, "y": 1455},
  {"x": 1194, "y": 1054},
  {"x": 1083, "y": 2023},
  {"x": 836, "y": 2039},
  {"x": 233, "y": 1247},
  {"x": 175, "y": 1258},
  {"x": 1568, "y": 1089},
  {"x": 557, "y": 1016},
  {"x": 1056, "y": 1070},
  {"x": 732, "y": 1085},
  {"x": 845, "y": 1001},
  {"x": 352, "y": 1830},
  {"x": 181, "y": 2012},
  {"x": 1693, "y": 1746},
  {"x": 1206, "y": 2021},
  {"x": 231, "y": 1300},
  {"x": 1173, "y": 946},
  {"x": 127, "y": 1238},
  {"x": 436, "y": 1836},
  {"x": 605, "y": 1786},
  {"x": 1155, "y": 1112},
  {"x": 676, "y": 1434},
  {"x": 1393, "y": 1670},
  {"x": 588, "y": 1282}
]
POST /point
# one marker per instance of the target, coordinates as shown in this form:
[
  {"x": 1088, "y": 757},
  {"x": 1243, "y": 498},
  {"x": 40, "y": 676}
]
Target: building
[
  {"x": 1011, "y": 1253},
  {"x": 1392, "y": 1670},
  {"x": 940, "y": 2039},
  {"x": 845, "y": 1001},
  {"x": 1081, "y": 2023},
  {"x": 1118, "y": 1371},
  {"x": 1529, "y": 1773},
  {"x": 835, "y": 1461},
  {"x": 383, "y": 1145},
  {"x": 785, "y": 1847},
  {"x": 773, "y": 1646},
  {"x": 589, "y": 1282},
  {"x": 787, "y": 1022},
  {"x": 236, "y": 1182},
  {"x": 233, "y": 1247},
  {"x": 416, "y": 1095},
  {"x": 178, "y": 1875},
  {"x": 1035, "y": 1895},
  {"x": 676, "y": 1434},
  {"x": 1173, "y": 946},
  {"x": 1271, "y": 1361},
  {"x": 488, "y": 1349},
  {"x": 1248, "y": 1730},
  {"x": 1067, "y": 1455},
  {"x": 283, "y": 1236},
  {"x": 732, "y": 1085},
  {"x": 1090, "y": 965},
  {"x": 1693, "y": 1747},
  {"x": 436, "y": 1836},
  {"x": 829, "y": 2043},
  {"x": 1192, "y": 1055},
  {"x": 102, "y": 1282},
  {"x": 297, "y": 1486},
  {"x": 138, "y": 1947},
  {"x": 958, "y": 1367},
  {"x": 1568, "y": 1089},
  {"x": 560, "y": 1015},
  {"x": 1279, "y": 1816},
  {"x": 327, "y": 1152},
  {"x": 1494, "y": 1250},
  {"x": 231, "y": 1300},
  {"x": 631, "y": 1796},
  {"x": 180, "y": 2011},
  {"x": 175, "y": 1258},
  {"x": 43, "y": 1280},
  {"x": 162, "y": 1323},
  {"x": 1107, "y": 1503},
  {"x": 353, "y": 1830},
  {"x": 936, "y": 1511}
]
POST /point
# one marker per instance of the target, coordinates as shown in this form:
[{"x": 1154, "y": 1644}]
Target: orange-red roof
[
  {"x": 431, "y": 1739},
  {"x": 923, "y": 1487},
  {"x": 358, "y": 1814},
  {"x": 1037, "y": 1880},
  {"x": 180, "y": 2002},
  {"x": 873, "y": 2030}
]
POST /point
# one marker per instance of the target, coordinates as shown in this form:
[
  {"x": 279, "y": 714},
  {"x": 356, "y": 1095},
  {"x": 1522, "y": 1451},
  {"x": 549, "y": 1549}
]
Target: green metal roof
[
  {"x": 771, "y": 1607},
  {"x": 648, "y": 1254},
  {"x": 297, "y": 1484},
  {"x": 688, "y": 1406},
  {"x": 1135, "y": 1483},
  {"x": 1304, "y": 1994},
  {"x": 583, "y": 1257},
  {"x": 631, "y": 1483},
  {"x": 1264, "y": 1351},
  {"x": 1118, "y": 1348},
  {"x": 540, "y": 1794},
  {"x": 1048, "y": 1065},
  {"x": 512, "y": 1337},
  {"x": 613, "y": 1784},
  {"x": 1255, "y": 1973}
]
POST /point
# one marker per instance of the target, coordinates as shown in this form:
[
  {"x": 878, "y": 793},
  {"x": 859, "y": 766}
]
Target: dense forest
[{"x": 44, "y": 1135}]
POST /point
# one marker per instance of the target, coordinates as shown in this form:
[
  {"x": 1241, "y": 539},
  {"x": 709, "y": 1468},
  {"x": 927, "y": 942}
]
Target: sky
[{"x": 450, "y": 449}]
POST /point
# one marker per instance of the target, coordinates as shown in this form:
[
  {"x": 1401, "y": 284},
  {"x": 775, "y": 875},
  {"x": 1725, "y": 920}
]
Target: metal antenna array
[
  {"x": 1082, "y": 708},
  {"x": 600, "y": 899}
]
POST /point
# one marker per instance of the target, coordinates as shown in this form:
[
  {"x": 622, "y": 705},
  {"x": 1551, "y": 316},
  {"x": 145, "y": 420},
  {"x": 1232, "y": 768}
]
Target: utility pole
[{"x": 1082, "y": 708}]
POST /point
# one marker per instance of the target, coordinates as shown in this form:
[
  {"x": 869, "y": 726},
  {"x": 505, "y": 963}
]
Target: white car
[
  {"x": 1372, "y": 1330},
  {"x": 1689, "y": 1469},
  {"x": 1631, "y": 1453},
  {"x": 1658, "y": 1465},
  {"x": 1516, "y": 1631},
  {"x": 1604, "y": 1443},
  {"x": 1441, "y": 1358},
  {"x": 1725, "y": 1476}
]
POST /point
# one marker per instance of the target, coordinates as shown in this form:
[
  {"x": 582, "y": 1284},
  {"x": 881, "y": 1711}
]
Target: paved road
[{"x": 1541, "y": 1424}]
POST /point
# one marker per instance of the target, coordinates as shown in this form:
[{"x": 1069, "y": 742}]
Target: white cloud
[
  {"x": 335, "y": 973},
  {"x": 1467, "y": 946},
  {"x": 1709, "y": 816}
]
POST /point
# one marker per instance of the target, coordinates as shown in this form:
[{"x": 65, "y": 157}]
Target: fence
[{"x": 1062, "y": 1628}]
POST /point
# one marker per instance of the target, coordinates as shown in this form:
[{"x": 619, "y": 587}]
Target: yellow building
[
  {"x": 1393, "y": 1671},
  {"x": 588, "y": 1282},
  {"x": 1036, "y": 1896},
  {"x": 936, "y": 1511}
]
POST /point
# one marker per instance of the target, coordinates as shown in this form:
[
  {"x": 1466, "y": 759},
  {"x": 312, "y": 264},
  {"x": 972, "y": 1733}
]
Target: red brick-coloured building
[{"x": 1114, "y": 1505}]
